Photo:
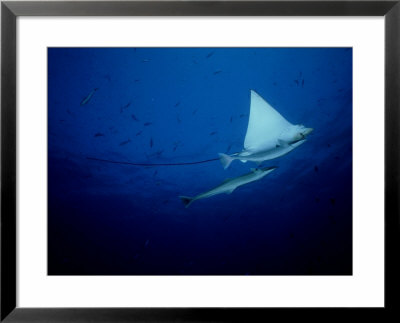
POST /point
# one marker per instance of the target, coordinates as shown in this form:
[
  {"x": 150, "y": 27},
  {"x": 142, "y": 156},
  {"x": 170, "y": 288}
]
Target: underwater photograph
[{"x": 200, "y": 161}]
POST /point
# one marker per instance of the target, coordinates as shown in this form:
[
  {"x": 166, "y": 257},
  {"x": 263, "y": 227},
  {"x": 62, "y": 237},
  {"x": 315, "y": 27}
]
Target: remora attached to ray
[
  {"x": 230, "y": 184},
  {"x": 269, "y": 135}
]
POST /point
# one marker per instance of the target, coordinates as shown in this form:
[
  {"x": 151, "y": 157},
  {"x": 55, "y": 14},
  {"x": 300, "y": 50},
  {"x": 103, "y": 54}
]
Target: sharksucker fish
[
  {"x": 230, "y": 184},
  {"x": 269, "y": 135}
]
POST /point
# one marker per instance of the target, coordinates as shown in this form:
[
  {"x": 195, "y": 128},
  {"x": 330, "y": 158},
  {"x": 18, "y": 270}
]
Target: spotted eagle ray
[
  {"x": 230, "y": 184},
  {"x": 269, "y": 135}
]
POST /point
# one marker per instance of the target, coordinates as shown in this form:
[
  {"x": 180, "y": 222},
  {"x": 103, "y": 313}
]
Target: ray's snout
[{"x": 306, "y": 131}]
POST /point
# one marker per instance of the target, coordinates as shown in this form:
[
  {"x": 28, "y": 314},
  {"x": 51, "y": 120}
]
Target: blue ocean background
[{"x": 182, "y": 105}]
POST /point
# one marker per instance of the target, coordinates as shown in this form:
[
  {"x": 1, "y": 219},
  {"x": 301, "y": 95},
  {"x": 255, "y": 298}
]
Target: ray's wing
[{"x": 265, "y": 124}]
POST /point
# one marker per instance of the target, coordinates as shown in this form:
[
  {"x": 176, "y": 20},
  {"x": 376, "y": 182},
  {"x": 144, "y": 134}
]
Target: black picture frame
[{"x": 10, "y": 10}]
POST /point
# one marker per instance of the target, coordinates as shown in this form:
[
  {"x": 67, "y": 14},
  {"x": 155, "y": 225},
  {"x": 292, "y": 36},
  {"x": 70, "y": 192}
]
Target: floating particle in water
[
  {"x": 178, "y": 119},
  {"x": 332, "y": 200},
  {"x": 231, "y": 119},
  {"x": 217, "y": 72},
  {"x": 146, "y": 60},
  {"x": 151, "y": 142},
  {"x": 136, "y": 81},
  {"x": 302, "y": 83},
  {"x": 147, "y": 124},
  {"x": 291, "y": 235},
  {"x": 242, "y": 115},
  {"x": 316, "y": 169},
  {"x": 297, "y": 82},
  {"x": 194, "y": 111},
  {"x": 99, "y": 134},
  {"x": 317, "y": 200},
  {"x": 213, "y": 133},
  {"x": 177, "y": 104},
  {"x": 146, "y": 243}
]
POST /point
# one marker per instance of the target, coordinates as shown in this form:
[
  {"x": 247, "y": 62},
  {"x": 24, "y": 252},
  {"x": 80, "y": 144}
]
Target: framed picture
[{"x": 198, "y": 161}]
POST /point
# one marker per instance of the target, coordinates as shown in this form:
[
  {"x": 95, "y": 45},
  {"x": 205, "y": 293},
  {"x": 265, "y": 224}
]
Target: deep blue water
[{"x": 176, "y": 105}]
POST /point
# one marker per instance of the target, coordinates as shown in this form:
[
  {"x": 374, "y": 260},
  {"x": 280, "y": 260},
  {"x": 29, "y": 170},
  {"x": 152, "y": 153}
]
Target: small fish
[
  {"x": 317, "y": 199},
  {"x": 155, "y": 173},
  {"x": 332, "y": 200},
  {"x": 274, "y": 84},
  {"x": 242, "y": 115},
  {"x": 139, "y": 133},
  {"x": 146, "y": 60},
  {"x": 231, "y": 119},
  {"x": 89, "y": 96},
  {"x": 194, "y": 111},
  {"x": 316, "y": 169},
  {"x": 151, "y": 142},
  {"x": 137, "y": 80},
  {"x": 125, "y": 142},
  {"x": 134, "y": 117},
  {"x": 217, "y": 72},
  {"x": 147, "y": 124},
  {"x": 226, "y": 217},
  {"x": 178, "y": 119},
  {"x": 302, "y": 83},
  {"x": 126, "y": 105},
  {"x": 176, "y": 145},
  {"x": 297, "y": 82},
  {"x": 213, "y": 133},
  {"x": 229, "y": 148},
  {"x": 210, "y": 54},
  {"x": 99, "y": 134},
  {"x": 177, "y": 104}
]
